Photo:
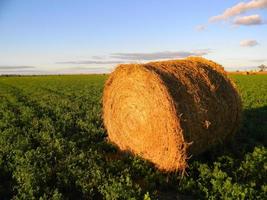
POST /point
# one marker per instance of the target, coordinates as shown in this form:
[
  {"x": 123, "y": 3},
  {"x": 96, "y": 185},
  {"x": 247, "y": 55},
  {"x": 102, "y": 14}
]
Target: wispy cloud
[
  {"x": 159, "y": 55},
  {"x": 24, "y": 71},
  {"x": 201, "y": 27},
  {"x": 239, "y": 8},
  {"x": 262, "y": 60},
  {"x": 248, "y": 20},
  {"x": 248, "y": 43},
  {"x": 119, "y": 58},
  {"x": 98, "y": 57},
  {"x": 16, "y": 67},
  {"x": 83, "y": 70},
  {"x": 95, "y": 62}
]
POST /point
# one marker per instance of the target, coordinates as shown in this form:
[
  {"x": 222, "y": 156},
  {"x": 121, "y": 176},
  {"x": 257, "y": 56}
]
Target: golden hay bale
[{"x": 166, "y": 111}]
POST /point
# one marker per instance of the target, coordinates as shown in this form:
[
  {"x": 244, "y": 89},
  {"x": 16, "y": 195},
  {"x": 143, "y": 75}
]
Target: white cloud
[
  {"x": 200, "y": 27},
  {"x": 95, "y": 62},
  {"x": 248, "y": 43},
  {"x": 239, "y": 9},
  {"x": 119, "y": 58},
  {"x": 262, "y": 60},
  {"x": 159, "y": 55},
  {"x": 248, "y": 20},
  {"x": 16, "y": 67}
]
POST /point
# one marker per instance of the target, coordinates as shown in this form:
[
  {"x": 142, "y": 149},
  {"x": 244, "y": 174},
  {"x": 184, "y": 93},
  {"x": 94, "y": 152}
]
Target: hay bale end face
[{"x": 166, "y": 111}]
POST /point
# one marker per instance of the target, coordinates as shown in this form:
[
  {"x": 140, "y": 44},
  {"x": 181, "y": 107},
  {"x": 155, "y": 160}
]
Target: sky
[{"x": 81, "y": 36}]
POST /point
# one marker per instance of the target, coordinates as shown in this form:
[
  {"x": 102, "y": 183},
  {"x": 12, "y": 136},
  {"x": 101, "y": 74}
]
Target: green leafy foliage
[{"x": 53, "y": 146}]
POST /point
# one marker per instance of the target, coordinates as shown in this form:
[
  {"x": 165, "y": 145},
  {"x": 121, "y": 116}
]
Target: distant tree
[{"x": 262, "y": 67}]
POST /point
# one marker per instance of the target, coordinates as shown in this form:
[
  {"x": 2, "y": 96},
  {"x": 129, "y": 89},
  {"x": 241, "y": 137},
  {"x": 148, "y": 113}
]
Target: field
[{"x": 53, "y": 146}]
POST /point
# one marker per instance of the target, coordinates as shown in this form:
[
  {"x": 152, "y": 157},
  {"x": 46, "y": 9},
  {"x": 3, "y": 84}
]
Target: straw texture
[{"x": 166, "y": 111}]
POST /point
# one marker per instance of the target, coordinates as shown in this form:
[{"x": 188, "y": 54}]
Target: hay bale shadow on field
[
  {"x": 252, "y": 133},
  {"x": 254, "y": 127}
]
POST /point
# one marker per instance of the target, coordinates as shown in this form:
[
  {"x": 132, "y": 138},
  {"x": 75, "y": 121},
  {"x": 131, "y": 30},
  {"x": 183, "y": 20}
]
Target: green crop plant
[{"x": 53, "y": 146}]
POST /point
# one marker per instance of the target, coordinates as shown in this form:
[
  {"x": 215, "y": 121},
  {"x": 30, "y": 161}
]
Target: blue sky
[{"x": 67, "y": 36}]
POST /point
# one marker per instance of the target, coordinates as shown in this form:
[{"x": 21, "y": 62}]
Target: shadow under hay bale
[{"x": 167, "y": 111}]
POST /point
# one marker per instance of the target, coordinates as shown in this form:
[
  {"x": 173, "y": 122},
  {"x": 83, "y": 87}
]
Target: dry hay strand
[{"x": 166, "y": 111}]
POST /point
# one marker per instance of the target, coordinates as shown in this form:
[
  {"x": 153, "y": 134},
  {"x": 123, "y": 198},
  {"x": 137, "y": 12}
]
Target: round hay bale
[
  {"x": 245, "y": 73},
  {"x": 166, "y": 111}
]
